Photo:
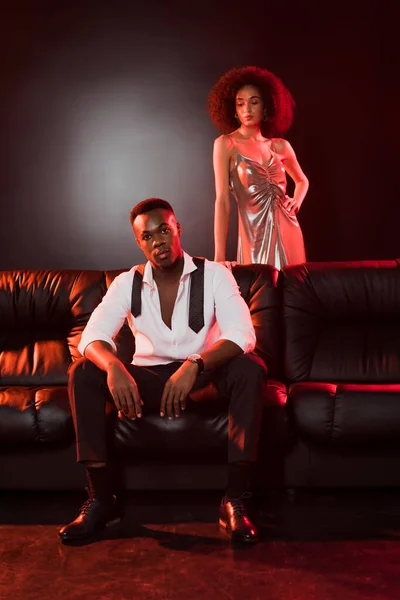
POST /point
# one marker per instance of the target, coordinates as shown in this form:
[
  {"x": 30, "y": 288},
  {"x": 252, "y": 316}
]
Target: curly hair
[{"x": 276, "y": 99}]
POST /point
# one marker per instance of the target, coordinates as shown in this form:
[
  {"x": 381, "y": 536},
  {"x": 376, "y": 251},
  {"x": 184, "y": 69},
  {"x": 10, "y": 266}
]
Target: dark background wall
[{"x": 104, "y": 104}]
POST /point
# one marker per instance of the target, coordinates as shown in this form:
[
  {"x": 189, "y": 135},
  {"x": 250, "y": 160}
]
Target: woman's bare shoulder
[
  {"x": 224, "y": 143},
  {"x": 280, "y": 146}
]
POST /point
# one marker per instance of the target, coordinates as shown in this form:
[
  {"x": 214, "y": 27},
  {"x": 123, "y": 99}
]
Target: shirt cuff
[
  {"x": 86, "y": 340},
  {"x": 242, "y": 340}
]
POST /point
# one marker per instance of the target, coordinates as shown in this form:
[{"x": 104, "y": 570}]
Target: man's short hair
[{"x": 150, "y": 204}]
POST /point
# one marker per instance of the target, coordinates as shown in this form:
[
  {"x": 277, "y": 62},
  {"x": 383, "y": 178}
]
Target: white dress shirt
[{"x": 226, "y": 316}]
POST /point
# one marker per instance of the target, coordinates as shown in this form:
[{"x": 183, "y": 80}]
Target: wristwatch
[{"x": 196, "y": 358}]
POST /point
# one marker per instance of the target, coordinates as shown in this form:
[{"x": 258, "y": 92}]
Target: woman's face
[{"x": 249, "y": 106}]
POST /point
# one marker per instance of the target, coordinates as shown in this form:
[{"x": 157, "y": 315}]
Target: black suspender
[{"x": 196, "y": 302}]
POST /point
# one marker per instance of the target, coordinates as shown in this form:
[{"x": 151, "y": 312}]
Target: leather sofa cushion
[
  {"x": 347, "y": 414},
  {"x": 42, "y": 415},
  {"x": 201, "y": 433},
  {"x": 39, "y": 415}
]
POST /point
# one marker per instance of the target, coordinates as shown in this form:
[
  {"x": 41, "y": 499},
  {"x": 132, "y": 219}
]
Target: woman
[{"x": 252, "y": 107}]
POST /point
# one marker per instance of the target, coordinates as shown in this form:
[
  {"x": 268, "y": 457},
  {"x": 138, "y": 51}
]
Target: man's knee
[
  {"x": 249, "y": 366},
  {"x": 82, "y": 370}
]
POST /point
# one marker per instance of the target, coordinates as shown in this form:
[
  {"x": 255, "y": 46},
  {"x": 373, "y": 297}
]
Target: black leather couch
[
  {"x": 341, "y": 328},
  {"x": 328, "y": 333}
]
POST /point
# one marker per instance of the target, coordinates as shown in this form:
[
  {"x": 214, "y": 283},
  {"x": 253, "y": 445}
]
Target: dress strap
[{"x": 272, "y": 147}]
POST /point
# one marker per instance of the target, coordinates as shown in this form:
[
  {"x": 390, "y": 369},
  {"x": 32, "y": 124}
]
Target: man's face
[{"x": 158, "y": 235}]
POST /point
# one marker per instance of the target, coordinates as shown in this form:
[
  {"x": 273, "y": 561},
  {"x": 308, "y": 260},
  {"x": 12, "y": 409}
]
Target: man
[{"x": 191, "y": 326}]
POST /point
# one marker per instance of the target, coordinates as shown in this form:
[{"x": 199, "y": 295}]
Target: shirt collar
[{"x": 188, "y": 267}]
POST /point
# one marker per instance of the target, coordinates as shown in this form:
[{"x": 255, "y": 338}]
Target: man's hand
[
  {"x": 124, "y": 391},
  {"x": 177, "y": 388}
]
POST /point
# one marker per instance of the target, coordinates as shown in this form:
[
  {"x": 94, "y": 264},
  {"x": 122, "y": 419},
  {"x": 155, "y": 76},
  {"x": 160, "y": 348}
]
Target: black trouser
[{"x": 241, "y": 380}]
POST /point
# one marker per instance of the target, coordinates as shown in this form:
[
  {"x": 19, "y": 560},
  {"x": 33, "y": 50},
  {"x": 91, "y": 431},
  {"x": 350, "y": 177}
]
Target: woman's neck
[{"x": 250, "y": 133}]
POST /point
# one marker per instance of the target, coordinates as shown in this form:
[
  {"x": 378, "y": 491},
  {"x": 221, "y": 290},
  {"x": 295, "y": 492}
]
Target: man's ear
[{"x": 179, "y": 226}]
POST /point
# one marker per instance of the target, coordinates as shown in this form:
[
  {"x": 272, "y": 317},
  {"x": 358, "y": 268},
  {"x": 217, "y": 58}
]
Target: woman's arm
[
  {"x": 293, "y": 169},
  {"x": 221, "y": 157}
]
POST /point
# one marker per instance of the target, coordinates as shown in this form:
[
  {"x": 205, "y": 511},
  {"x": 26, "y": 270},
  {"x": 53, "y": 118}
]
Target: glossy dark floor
[{"x": 322, "y": 545}]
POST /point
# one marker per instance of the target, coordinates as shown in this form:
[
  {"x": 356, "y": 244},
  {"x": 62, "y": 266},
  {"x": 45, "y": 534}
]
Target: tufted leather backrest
[
  {"x": 42, "y": 316},
  {"x": 342, "y": 322},
  {"x": 258, "y": 286}
]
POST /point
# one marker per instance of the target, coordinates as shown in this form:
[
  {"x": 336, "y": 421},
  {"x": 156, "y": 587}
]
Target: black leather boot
[
  {"x": 235, "y": 522},
  {"x": 93, "y": 517}
]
